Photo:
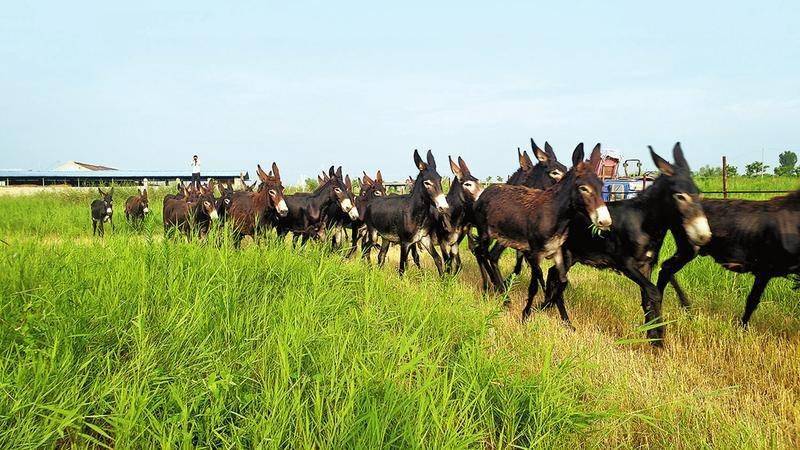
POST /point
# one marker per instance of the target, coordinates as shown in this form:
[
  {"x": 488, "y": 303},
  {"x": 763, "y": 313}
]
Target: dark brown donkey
[
  {"x": 249, "y": 212},
  {"x": 102, "y": 212},
  {"x": 192, "y": 214},
  {"x": 406, "y": 219},
  {"x": 535, "y": 221},
  {"x": 747, "y": 236},
  {"x": 546, "y": 172},
  {"x": 137, "y": 207},
  {"x": 464, "y": 189},
  {"x": 633, "y": 243},
  {"x": 370, "y": 189}
]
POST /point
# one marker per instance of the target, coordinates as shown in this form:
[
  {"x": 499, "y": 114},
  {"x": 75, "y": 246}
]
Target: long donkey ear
[
  {"x": 577, "y": 155},
  {"x": 419, "y": 162},
  {"x": 320, "y": 180},
  {"x": 332, "y": 172},
  {"x": 275, "y": 171},
  {"x": 431, "y": 161},
  {"x": 549, "y": 150},
  {"x": 339, "y": 172},
  {"x": 524, "y": 161},
  {"x": 260, "y": 172},
  {"x": 594, "y": 158},
  {"x": 366, "y": 180},
  {"x": 379, "y": 177},
  {"x": 111, "y": 192},
  {"x": 540, "y": 155},
  {"x": 101, "y": 191},
  {"x": 677, "y": 156},
  {"x": 663, "y": 165},
  {"x": 464, "y": 169},
  {"x": 455, "y": 168},
  {"x": 348, "y": 184}
]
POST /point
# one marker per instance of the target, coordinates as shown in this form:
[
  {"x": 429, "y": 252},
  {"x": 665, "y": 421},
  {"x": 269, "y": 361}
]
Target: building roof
[
  {"x": 86, "y": 166},
  {"x": 116, "y": 174}
]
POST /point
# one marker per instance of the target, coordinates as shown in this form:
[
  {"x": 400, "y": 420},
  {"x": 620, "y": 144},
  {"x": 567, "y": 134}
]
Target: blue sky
[{"x": 309, "y": 84}]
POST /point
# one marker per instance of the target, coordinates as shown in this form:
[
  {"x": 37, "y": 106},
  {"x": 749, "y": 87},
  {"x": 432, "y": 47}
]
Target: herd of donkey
[{"x": 544, "y": 211}]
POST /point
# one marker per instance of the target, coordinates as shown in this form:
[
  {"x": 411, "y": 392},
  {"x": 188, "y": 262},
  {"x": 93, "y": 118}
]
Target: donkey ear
[
  {"x": 542, "y": 156},
  {"x": 549, "y": 150},
  {"x": 419, "y": 162},
  {"x": 320, "y": 180},
  {"x": 348, "y": 184},
  {"x": 275, "y": 171},
  {"x": 366, "y": 180},
  {"x": 331, "y": 171},
  {"x": 663, "y": 165},
  {"x": 577, "y": 155},
  {"x": 463, "y": 165},
  {"x": 100, "y": 191},
  {"x": 379, "y": 177},
  {"x": 455, "y": 168},
  {"x": 111, "y": 192},
  {"x": 677, "y": 156},
  {"x": 594, "y": 158},
  {"x": 431, "y": 161},
  {"x": 339, "y": 172},
  {"x": 260, "y": 172}
]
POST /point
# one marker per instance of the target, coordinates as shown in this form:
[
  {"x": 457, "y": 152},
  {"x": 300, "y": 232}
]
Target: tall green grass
[{"x": 136, "y": 341}]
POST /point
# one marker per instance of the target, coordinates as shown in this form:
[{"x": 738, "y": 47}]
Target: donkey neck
[
  {"x": 322, "y": 197},
  {"x": 420, "y": 201},
  {"x": 652, "y": 202}
]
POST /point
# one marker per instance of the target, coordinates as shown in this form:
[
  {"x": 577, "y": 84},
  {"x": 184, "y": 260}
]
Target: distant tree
[
  {"x": 311, "y": 184},
  {"x": 787, "y": 161},
  {"x": 709, "y": 171},
  {"x": 733, "y": 171},
  {"x": 499, "y": 179},
  {"x": 788, "y": 158},
  {"x": 488, "y": 179},
  {"x": 755, "y": 168}
]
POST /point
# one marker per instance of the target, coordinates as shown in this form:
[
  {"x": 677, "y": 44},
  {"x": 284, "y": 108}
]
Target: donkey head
[
  {"x": 274, "y": 188},
  {"x": 685, "y": 197},
  {"x": 207, "y": 202},
  {"x": 372, "y": 188},
  {"x": 470, "y": 185},
  {"x": 546, "y": 172},
  {"x": 547, "y": 159},
  {"x": 108, "y": 200},
  {"x": 431, "y": 181},
  {"x": 587, "y": 187},
  {"x": 342, "y": 192}
]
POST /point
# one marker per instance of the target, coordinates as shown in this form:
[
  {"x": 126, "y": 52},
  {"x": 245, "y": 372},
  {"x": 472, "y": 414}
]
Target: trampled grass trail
[{"x": 136, "y": 341}]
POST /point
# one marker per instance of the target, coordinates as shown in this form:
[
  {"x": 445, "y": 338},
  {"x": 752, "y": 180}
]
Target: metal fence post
[{"x": 724, "y": 177}]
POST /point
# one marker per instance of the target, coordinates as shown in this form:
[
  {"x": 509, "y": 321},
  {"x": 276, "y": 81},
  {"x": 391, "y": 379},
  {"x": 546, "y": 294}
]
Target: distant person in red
[{"x": 195, "y": 165}]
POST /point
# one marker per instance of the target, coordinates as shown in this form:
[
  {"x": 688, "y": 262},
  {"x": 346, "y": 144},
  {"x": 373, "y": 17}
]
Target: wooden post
[{"x": 724, "y": 177}]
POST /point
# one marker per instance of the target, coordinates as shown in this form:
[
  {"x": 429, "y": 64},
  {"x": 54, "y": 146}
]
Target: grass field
[{"x": 136, "y": 341}]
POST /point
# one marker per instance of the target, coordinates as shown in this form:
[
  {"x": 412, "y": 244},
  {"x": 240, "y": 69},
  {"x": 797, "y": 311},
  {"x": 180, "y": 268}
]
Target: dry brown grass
[{"x": 714, "y": 384}]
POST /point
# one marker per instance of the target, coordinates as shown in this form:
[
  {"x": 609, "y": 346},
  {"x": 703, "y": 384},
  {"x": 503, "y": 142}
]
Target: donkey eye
[
  {"x": 272, "y": 192},
  {"x": 337, "y": 190},
  {"x": 681, "y": 197},
  {"x": 428, "y": 183},
  {"x": 585, "y": 189}
]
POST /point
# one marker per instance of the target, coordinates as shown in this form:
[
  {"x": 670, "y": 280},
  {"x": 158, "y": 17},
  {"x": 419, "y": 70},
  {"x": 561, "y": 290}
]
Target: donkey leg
[
  {"x": 403, "y": 256},
  {"x": 533, "y": 289},
  {"x": 383, "y": 252},
  {"x": 651, "y": 302},
  {"x": 754, "y": 298},
  {"x": 518, "y": 264},
  {"x": 670, "y": 268},
  {"x": 437, "y": 260},
  {"x": 94, "y": 227}
]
